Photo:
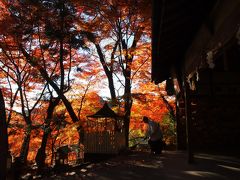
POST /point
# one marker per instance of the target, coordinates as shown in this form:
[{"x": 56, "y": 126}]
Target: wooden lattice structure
[{"x": 104, "y": 133}]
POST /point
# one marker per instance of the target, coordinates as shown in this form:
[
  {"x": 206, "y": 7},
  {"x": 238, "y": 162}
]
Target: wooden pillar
[
  {"x": 180, "y": 122},
  {"x": 177, "y": 122},
  {"x": 180, "y": 112},
  {"x": 188, "y": 120}
]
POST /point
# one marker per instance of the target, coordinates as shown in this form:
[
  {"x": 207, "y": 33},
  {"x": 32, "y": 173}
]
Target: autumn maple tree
[
  {"x": 22, "y": 77},
  {"x": 44, "y": 45},
  {"x": 55, "y": 56},
  {"x": 117, "y": 30},
  {"x": 48, "y": 25}
]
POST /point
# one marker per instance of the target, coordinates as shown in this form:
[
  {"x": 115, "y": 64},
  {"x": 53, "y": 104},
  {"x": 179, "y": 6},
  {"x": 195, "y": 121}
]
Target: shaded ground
[{"x": 169, "y": 165}]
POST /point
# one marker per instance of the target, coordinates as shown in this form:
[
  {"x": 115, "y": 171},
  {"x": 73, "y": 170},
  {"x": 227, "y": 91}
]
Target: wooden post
[
  {"x": 181, "y": 122},
  {"x": 188, "y": 121}
]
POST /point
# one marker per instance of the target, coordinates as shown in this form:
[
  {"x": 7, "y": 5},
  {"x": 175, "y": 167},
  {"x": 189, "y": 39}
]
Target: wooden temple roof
[
  {"x": 174, "y": 25},
  {"x": 104, "y": 112}
]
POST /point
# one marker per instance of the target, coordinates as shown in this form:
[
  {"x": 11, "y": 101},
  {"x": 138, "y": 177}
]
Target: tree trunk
[
  {"x": 25, "y": 145},
  {"x": 41, "y": 154},
  {"x": 102, "y": 59},
  {"x": 65, "y": 101},
  {"x": 3, "y": 139},
  {"x": 111, "y": 87},
  {"x": 126, "y": 125},
  {"x": 80, "y": 141},
  {"x": 107, "y": 72},
  {"x": 169, "y": 107},
  {"x": 128, "y": 104},
  {"x": 45, "y": 76}
]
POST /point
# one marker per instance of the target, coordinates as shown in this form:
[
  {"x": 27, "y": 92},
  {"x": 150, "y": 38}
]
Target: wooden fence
[{"x": 105, "y": 142}]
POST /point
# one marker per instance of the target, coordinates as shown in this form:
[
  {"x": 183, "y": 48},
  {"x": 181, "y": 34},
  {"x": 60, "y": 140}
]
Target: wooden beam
[{"x": 188, "y": 121}]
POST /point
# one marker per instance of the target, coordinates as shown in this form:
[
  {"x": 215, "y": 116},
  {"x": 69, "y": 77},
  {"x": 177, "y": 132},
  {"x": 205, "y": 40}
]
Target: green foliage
[
  {"x": 168, "y": 126},
  {"x": 135, "y": 137}
]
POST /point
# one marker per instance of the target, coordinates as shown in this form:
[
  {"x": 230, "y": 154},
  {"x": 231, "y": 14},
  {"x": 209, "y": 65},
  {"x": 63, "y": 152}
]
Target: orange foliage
[
  {"x": 148, "y": 103},
  {"x": 86, "y": 81}
]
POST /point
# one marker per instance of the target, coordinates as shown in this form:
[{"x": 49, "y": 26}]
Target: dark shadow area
[
  {"x": 169, "y": 165},
  {"x": 95, "y": 158}
]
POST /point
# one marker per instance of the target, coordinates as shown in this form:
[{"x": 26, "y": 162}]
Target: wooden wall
[{"x": 215, "y": 110}]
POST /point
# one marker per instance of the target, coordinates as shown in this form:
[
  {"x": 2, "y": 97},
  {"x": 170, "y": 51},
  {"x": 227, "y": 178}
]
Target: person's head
[{"x": 145, "y": 119}]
